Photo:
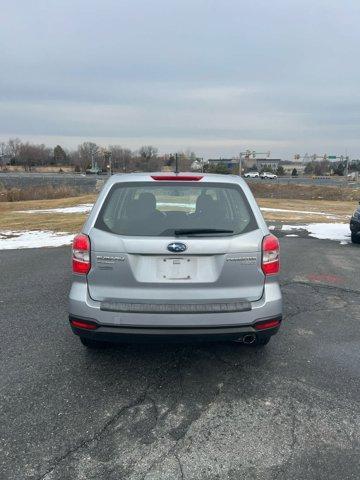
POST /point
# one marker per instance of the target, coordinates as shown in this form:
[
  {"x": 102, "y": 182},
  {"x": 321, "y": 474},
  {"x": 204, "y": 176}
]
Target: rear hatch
[{"x": 185, "y": 241}]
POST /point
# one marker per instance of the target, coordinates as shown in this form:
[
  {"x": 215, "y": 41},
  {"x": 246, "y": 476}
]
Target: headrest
[
  {"x": 204, "y": 203},
  {"x": 148, "y": 200}
]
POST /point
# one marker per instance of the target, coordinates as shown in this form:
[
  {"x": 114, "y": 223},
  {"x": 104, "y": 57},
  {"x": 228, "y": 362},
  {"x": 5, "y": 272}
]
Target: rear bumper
[
  {"x": 123, "y": 325},
  {"x": 107, "y": 333}
]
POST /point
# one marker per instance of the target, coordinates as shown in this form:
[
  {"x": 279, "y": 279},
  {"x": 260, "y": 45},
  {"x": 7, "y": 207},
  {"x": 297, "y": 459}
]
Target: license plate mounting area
[{"x": 176, "y": 268}]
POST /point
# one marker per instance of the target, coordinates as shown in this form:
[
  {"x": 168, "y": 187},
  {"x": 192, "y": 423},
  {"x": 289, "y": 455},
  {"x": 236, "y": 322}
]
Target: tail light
[
  {"x": 270, "y": 255},
  {"x": 83, "y": 324},
  {"x": 265, "y": 324},
  {"x": 81, "y": 254}
]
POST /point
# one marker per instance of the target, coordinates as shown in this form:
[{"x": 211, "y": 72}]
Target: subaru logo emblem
[{"x": 176, "y": 247}]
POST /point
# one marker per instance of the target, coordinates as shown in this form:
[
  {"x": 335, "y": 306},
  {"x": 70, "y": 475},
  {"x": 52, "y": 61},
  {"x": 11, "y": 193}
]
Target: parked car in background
[
  {"x": 355, "y": 225},
  {"x": 268, "y": 175},
  {"x": 252, "y": 175},
  {"x": 181, "y": 256},
  {"x": 94, "y": 171}
]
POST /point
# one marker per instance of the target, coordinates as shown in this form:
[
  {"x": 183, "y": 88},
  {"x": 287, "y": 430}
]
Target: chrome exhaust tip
[{"x": 249, "y": 339}]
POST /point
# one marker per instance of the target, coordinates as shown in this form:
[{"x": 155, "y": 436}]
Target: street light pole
[
  {"x": 247, "y": 155},
  {"x": 346, "y": 166},
  {"x": 107, "y": 157},
  {"x": 240, "y": 164}
]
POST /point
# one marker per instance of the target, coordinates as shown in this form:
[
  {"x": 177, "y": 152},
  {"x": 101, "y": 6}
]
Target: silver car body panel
[{"x": 129, "y": 283}]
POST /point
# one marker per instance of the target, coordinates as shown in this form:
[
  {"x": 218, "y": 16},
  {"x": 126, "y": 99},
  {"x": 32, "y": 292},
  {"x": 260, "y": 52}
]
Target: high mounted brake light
[
  {"x": 81, "y": 254},
  {"x": 178, "y": 178},
  {"x": 270, "y": 263}
]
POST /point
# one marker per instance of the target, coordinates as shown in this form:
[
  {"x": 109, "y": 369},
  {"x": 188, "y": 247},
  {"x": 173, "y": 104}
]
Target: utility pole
[
  {"x": 342, "y": 158},
  {"x": 240, "y": 165},
  {"x": 304, "y": 158},
  {"x": 247, "y": 155},
  {"x": 108, "y": 164}
]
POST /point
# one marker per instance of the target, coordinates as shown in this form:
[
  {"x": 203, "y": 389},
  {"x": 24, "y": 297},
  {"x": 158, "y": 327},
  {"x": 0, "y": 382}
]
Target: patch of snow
[
  {"x": 271, "y": 227},
  {"x": 324, "y": 231},
  {"x": 83, "y": 208},
  {"x": 305, "y": 212},
  {"x": 11, "y": 240}
]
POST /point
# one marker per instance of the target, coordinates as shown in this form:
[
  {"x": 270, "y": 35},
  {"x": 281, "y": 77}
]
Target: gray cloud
[{"x": 209, "y": 75}]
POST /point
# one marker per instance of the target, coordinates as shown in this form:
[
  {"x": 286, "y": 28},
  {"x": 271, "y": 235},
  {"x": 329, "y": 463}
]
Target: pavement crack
[
  {"x": 180, "y": 466},
  {"x": 155, "y": 410},
  {"x": 293, "y": 428},
  {"x": 97, "y": 435},
  {"x": 290, "y": 316},
  {"x": 180, "y": 376},
  {"x": 172, "y": 450},
  {"x": 319, "y": 286}
]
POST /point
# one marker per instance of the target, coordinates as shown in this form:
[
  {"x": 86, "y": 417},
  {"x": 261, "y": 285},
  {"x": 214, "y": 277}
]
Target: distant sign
[{"x": 332, "y": 157}]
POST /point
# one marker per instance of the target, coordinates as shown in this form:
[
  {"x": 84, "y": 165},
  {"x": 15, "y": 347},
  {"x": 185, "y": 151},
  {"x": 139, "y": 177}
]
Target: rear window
[{"x": 163, "y": 209}]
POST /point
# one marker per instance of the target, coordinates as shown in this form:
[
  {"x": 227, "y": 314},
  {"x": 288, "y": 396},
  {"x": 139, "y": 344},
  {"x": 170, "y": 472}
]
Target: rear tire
[
  {"x": 93, "y": 344},
  {"x": 355, "y": 238}
]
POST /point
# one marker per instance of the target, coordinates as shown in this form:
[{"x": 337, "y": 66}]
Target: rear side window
[{"x": 159, "y": 209}]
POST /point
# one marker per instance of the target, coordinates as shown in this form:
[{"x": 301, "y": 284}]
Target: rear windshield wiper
[{"x": 200, "y": 231}]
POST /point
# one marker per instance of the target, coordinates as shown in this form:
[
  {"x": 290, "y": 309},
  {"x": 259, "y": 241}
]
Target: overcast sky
[{"x": 214, "y": 76}]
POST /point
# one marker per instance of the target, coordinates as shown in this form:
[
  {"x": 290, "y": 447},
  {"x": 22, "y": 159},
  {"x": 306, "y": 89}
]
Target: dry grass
[
  {"x": 12, "y": 219},
  {"x": 53, "y": 169},
  {"x": 336, "y": 211},
  {"x": 48, "y": 169},
  {"x": 37, "y": 193},
  {"x": 304, "y": 192}
]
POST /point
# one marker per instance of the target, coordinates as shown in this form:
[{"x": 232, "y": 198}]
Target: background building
[
  {"x": 263, "y": 164},
  {"x": 289, "y": 167},
  {"x": 228, "y": 162}
]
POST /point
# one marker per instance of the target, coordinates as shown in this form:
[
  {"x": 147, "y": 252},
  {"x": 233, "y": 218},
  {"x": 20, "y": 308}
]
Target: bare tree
[
  {"x": 87, "y": 153},
  {"x": 3, "y": 154},
  {"x": 149, "y": 160},
  {"x": 120, "y": 158},
  {"x": 14, "y": 145},
  {"x": 3, "y": 148},
  {"x": 185, "y": 160},
  {"x": 74, "y": 159},
  {"x": 31, "y": 155}
]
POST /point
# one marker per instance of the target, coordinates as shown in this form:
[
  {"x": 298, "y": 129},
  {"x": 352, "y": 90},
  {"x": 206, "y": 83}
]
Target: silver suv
[{"x": 175, "y": 256}]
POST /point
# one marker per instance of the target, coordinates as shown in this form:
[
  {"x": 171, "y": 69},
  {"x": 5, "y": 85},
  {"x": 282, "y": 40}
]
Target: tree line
[{"x": 121, "y": 159}]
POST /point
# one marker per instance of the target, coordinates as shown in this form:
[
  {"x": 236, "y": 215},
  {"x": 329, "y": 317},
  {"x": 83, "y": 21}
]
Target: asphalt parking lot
[{"x": 205, "y": 411}]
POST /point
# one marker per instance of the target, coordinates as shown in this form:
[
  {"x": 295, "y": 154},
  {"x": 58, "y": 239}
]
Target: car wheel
[
  {"x": 355, "y": 238},
  {"x": 89, "y": 343}
]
